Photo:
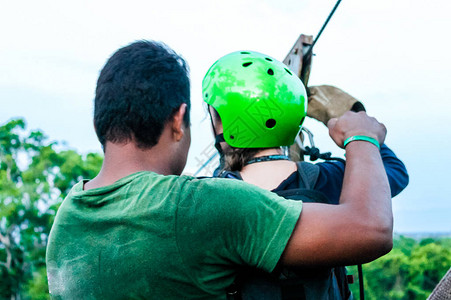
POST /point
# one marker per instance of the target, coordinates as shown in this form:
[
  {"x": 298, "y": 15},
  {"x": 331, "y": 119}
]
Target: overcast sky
[{"x": 392, "y": 55}]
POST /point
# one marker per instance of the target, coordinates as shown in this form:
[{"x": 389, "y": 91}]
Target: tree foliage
[
  {"x": 410, "y": 271},
  {"x": 34, "y": 178}
]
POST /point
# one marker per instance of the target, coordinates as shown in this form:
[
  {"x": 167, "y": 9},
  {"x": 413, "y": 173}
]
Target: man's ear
[{"x": 178, "y": 122}]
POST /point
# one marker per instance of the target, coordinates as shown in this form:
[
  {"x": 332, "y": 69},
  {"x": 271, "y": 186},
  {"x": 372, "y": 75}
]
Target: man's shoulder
[
  {"x": 221, "y": 185},
  {"x": 137, "y": 186},
  {"x": 226, "y": 193}
]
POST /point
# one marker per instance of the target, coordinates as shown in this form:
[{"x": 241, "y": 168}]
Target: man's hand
[
  {"x": 352, "y": 123},
  {"x": 326, "y": 102}
]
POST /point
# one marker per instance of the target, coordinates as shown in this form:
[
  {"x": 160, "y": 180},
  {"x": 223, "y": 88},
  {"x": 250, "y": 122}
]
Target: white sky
[{"x": 392, "y": 55}]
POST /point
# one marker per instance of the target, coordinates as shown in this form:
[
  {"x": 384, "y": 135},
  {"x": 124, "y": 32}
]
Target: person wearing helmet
[
  {"x": 138, "y": 230},
  {"x": 257, "y": 107}
]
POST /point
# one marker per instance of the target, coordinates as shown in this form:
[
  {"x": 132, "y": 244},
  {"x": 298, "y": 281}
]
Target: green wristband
[{"x": 362, "y": 138}]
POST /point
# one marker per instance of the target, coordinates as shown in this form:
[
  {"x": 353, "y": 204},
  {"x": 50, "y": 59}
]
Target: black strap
[
  {"x": 308, "y": 174},
  {"x": 218, "y": 139},
  {"x": 267, "y": 158},
  {"x": 361, "y": 287},
  {"x": 230, "y": 175}
]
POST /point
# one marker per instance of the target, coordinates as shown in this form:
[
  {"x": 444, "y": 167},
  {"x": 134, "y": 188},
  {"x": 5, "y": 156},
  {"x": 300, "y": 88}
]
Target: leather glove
[{"x": 326, "y": 102}]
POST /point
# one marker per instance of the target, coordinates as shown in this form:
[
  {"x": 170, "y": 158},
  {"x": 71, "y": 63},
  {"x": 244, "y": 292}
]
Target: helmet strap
[{"x": 218, "y": 139}]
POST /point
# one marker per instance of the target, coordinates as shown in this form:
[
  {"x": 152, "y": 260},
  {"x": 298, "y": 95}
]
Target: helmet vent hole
[
  {"x": 232, "y": 137},
  {"x": 268, "y": 59},
  {"x": 247, "y": 64},
  {"x": 245, "y": 52},
  {"x": 288, "y": 71},
  {"x": 270, "y": 72},
  {"x": 206, "y": 95},
  {"x": 270, "y": 123}
]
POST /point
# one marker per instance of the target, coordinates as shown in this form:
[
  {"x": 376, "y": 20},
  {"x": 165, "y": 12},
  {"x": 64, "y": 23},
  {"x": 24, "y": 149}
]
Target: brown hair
[{"x": 236, "y": 158}]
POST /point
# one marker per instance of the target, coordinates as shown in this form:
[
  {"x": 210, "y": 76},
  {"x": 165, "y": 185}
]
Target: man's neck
[{"x": 122, "y": 160}]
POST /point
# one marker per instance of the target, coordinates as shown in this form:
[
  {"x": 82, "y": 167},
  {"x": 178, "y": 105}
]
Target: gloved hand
[{"x": 326, "y": 102}]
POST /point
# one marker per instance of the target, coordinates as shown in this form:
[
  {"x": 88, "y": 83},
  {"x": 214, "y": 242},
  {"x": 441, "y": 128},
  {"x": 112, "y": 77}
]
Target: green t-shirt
[{"x": 149, "y": 236}]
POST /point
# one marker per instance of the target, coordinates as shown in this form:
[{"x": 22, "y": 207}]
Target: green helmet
[{"x": 262, "y": 104}]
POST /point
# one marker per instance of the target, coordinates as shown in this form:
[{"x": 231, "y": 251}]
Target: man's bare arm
[{"x": 360, "y": 228}]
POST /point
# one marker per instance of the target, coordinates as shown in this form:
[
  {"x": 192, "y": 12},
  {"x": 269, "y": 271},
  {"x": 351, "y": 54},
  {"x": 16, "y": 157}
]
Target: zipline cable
[{"x": 309, "y": 51}]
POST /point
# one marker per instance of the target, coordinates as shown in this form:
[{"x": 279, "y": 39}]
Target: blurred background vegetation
[
  {"x": 36, "y": 174},
  {"x": 409, "y": 272}
]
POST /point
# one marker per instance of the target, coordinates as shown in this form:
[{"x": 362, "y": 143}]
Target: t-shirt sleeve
[
  {"x": 398, "y": 177},
  {"x": 228, "y": 222}
]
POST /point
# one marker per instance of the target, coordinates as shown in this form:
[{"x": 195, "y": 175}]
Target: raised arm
[
  {"x": 360, "y": 228},
  {"x": 326, "y": 102}
]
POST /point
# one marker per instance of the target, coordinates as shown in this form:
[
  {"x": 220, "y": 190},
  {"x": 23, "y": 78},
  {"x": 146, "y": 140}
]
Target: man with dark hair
[
  {"x": 138, "y": 231},
  {"x": 153, "y": 76}
]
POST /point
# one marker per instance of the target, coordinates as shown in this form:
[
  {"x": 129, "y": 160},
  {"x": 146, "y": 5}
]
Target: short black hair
[{"x": 139, "y": 89}]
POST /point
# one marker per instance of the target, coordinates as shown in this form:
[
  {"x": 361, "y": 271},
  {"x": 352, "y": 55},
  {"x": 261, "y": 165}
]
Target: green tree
[
  {"x": 34, "y": 178},
  {"x": 404, "y": 244},
  {"x": 429, "y": 262},
  {"x": 409, "y": 272}
]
